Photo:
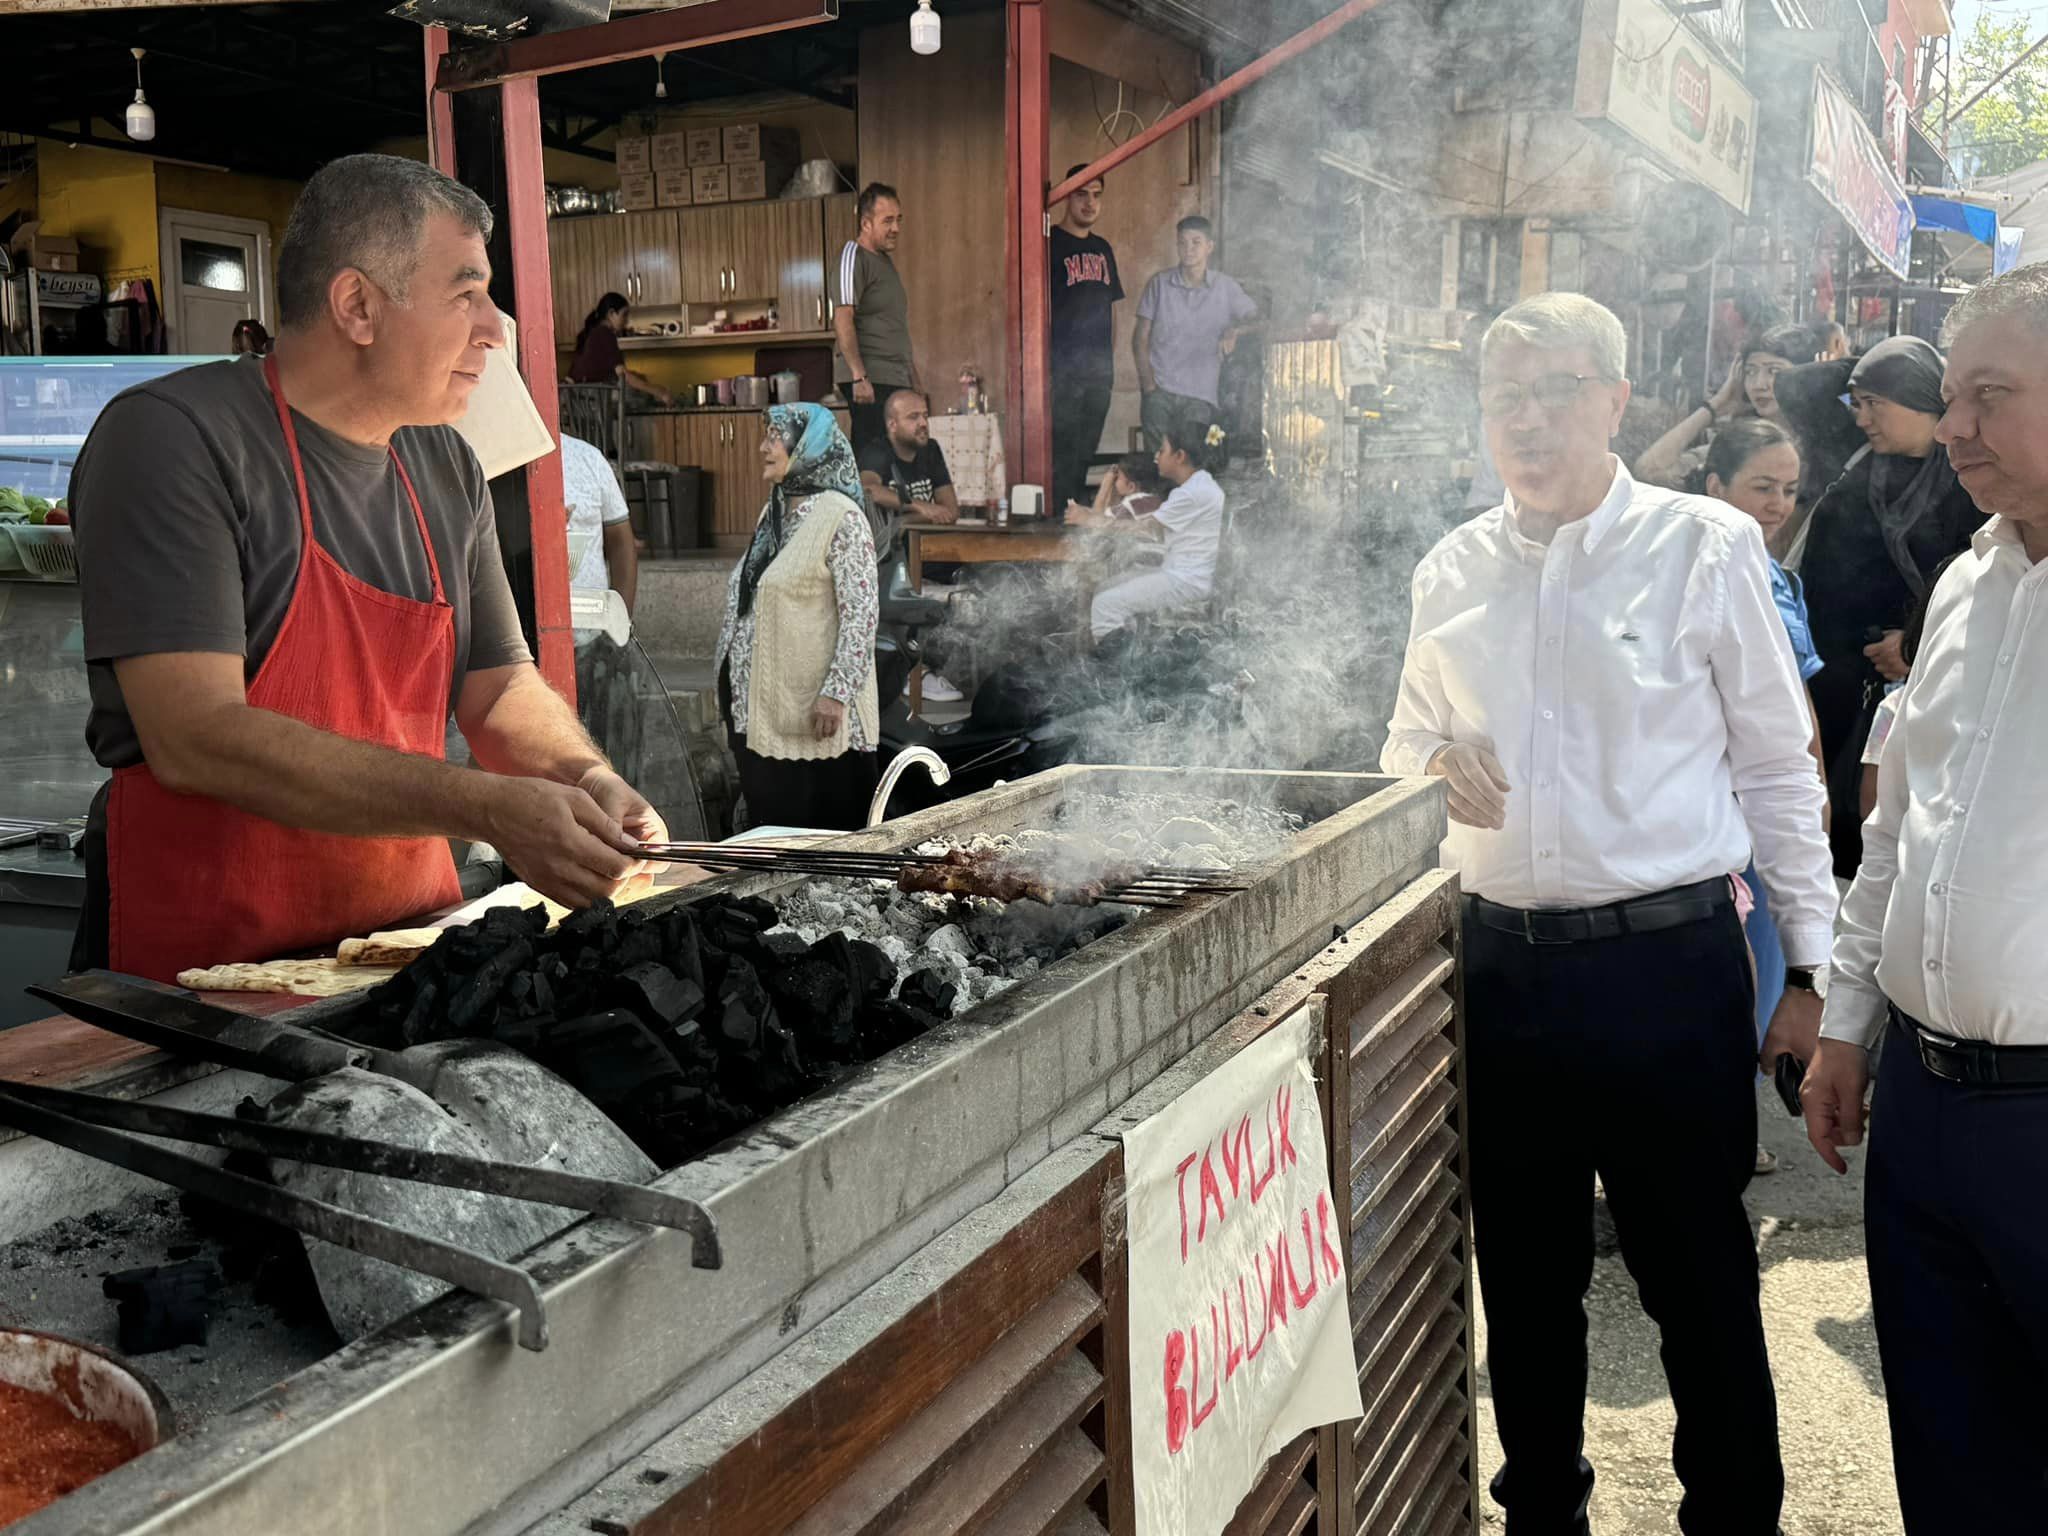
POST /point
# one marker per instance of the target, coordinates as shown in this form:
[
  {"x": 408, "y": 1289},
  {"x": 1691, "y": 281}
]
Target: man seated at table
[{"x": 904, "y": 471}]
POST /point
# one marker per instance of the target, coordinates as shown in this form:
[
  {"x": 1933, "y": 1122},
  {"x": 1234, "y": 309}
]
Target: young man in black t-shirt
[{"x": 1085, "y": 289}]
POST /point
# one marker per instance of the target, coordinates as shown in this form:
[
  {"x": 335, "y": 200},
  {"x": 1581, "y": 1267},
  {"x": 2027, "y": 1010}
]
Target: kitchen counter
[{"x": 632, "y": 343}]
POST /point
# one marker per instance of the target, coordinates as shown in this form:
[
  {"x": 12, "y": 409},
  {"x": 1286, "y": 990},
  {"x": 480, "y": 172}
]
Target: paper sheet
[{"x": 502, "y": 424}]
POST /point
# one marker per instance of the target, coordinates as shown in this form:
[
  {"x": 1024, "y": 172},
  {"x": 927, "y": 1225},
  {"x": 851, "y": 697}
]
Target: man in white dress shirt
[
  {"x": 1943, "y": 954},
  {"x": 1597, "y": 671}
]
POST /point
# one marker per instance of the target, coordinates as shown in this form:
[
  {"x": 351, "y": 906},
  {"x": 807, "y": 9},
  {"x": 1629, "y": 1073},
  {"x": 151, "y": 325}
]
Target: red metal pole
[
  {"x": 440, "y": 106},
  {"x": 1028, "y": 95},
  {"x": 1223, "y": 90},
  {"x": 533, "y": 306}
]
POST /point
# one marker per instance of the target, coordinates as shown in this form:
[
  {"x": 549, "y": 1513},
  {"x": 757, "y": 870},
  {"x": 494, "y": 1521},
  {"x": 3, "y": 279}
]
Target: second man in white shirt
[{"x": 1598, "y": 672}]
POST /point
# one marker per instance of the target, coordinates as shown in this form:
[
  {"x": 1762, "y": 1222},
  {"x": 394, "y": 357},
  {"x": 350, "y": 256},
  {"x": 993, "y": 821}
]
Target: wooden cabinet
[
  {"x": 705, "y": 238},
  {"x": 725, "y": 445},
  {"x": 653, "y": 260},
  {"x": 842, "y": 223},
  {"x": 792, "y": 235},
  {"x": 633, "y": 254}
]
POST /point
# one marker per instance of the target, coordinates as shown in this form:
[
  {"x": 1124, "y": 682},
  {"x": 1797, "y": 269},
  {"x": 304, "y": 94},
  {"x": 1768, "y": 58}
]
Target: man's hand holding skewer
[{"x": 1478, "y": 788}]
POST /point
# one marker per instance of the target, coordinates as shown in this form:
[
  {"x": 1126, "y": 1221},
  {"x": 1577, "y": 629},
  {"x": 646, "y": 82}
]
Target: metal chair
[{"x": 597, "y": 414}]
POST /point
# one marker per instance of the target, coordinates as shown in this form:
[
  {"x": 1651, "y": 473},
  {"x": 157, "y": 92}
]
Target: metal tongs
[{"x": 111, "y": 1130}]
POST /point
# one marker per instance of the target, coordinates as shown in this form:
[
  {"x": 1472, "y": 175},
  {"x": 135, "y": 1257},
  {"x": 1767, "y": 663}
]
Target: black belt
[
  {"x": 1978, "y": 1063},
  {"x": 1578, "y": 925}
]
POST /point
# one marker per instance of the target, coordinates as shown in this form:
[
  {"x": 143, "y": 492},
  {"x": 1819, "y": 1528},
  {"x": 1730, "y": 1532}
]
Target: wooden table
[{"x": 1033, "y": 541}]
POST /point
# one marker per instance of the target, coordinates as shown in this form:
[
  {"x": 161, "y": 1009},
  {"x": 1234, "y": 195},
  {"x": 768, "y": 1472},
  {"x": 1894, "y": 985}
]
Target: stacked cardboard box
[
  {"x": 730, "y": 163},
  {"x": 635, "y": 159},
  {"x": 757, "y": 159}
]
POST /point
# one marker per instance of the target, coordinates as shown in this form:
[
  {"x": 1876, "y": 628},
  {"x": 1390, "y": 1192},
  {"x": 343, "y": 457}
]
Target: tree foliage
[{"x": 2009, "y": 127}]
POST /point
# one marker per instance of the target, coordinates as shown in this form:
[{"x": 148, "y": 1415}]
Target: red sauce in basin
[{"x": 46, "y": 1451}]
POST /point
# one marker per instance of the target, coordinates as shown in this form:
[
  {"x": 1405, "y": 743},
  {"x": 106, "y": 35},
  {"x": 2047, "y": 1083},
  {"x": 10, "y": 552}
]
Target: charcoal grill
[{"x": 466, "y": 1433}]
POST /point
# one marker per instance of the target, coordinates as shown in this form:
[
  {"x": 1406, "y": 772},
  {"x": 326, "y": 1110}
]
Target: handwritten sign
[{"x": 1240, "y": 1310}]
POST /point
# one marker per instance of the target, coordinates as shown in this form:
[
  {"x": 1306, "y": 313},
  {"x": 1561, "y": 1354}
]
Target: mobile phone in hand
[{"x": 1790, "y": 1072}]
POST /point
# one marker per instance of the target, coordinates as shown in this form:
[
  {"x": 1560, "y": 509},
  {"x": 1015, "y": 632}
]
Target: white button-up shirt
[
  {"x": 1635, "y": 681},
  {"x": 1949, "y": 913}
]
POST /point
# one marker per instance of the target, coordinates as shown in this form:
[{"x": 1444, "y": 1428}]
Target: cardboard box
[
  {"x": 710, "y": 184},
  {"x": 668, "y": 152},
  {"x": 672, "y": 189},
  {"x": 636, "y": 191},
  {"x": 635, "y": 154},
  {"x": 752, "y": 180},
  {"x": 44, "y": 253},
  {"x": 706, "y": 146},
  {"x": 751, "y": 141}
]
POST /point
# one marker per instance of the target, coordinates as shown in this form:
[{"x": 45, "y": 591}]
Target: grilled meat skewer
[{"x": 998, "y": 877}]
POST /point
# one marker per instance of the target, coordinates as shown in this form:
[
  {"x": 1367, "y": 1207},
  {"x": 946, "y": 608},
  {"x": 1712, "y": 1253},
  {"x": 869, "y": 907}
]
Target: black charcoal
[{"x": 164, "y": 1305}]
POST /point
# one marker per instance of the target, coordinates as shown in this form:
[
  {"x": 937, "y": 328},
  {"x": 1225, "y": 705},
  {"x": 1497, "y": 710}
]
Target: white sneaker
[{"x": 938, "y": 691}]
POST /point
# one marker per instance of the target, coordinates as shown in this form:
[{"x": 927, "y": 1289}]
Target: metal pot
[
  {"x": 576, "y": 200},
  {"x": 751, "y": 391},
  {"x": 725, "y": 391},
  {"x": 92, "y": 1382},
  {"x": 788, "y": 386},
  {"x": 704, "y": 394}
]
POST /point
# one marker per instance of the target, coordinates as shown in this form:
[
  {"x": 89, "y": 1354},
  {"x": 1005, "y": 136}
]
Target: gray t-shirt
[
  {"x": 187, "y": 526},
  {"x": 867, "y": 282}
]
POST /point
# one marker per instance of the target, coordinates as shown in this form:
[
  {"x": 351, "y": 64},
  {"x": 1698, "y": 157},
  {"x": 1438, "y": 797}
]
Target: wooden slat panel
[
  {"x": 1430, "y": 970},
  {"x": 1425, "y": 1337},
  {"x": 1392, "y": 1299},
  {"x": 1080, "y": 1522},
  {"x": 1422, "y": 1178},
  {"x": 1058, "y": 1482},
  {"x": 1262, "y": 1508},
  {"x": 958, "y": 1418},
  {"x": 1420, "y": 1135},
  {"x": 1393, "y": 938},
  {"x": 1400, "y": 1100},
  {"x": 1035, "y": 1426},
  {"x": 1375, "y": 1070},
  {"x": 803, "y": 1453},
  {"x": 1454, "y": 1517},
  {"x": 1430, "y": 1479},
  {"x": 1387, "y": 1509},
  {"x": 1427, "y": 1388}
]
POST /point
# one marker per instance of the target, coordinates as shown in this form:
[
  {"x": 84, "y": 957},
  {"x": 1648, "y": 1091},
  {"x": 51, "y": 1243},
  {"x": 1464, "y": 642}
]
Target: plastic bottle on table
[{"x": 1002, "y": 511}]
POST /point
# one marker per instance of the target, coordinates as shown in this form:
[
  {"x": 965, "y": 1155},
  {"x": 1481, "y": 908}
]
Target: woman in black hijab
[{"x": 1876, "y": 539}]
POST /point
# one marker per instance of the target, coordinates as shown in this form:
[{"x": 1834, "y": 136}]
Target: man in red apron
[{"x": 290, "y": 579}]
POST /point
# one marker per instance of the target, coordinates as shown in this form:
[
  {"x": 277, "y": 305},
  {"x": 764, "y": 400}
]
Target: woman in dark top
[
  {"x": 598, "y": 358},
  {"x": 1877, "y": 537}
]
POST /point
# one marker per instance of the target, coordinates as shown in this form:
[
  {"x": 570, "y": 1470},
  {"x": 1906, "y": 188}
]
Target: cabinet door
[
  {"x": 741, "y": 497},
  {"x": 754, "y": 270},
  {"x": 653, "y": 259},
  {"x": 842, "y": 223},
  {"x": 704, "y": 236},
  {"x": 794, "y": 231}
]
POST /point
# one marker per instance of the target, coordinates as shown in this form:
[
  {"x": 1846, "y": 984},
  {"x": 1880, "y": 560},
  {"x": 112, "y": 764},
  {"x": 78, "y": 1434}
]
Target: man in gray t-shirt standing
[
  {"x": 1189, "y": 320},
  {"x": 871, "y": 317}
]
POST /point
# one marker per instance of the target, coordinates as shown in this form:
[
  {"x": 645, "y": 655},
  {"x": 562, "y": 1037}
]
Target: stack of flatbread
[{"x": 360, "y": 964}]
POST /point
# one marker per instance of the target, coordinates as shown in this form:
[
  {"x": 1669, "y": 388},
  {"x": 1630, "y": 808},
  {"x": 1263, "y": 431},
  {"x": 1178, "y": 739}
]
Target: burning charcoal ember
[
  {"x": 164, "y": 1305},
  {"x": 949, "y": 940},
  {"x": 657, "y": 994}
]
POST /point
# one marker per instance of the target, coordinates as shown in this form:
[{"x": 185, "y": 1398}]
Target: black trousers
[
  {"x": 1633, "y": 1058},
  {"x": 1079, "y": 408},
  {"x": 831, "y": 793},
  {"x": 1955, "y": 1207},
  {"x": 868, "y": 423}
]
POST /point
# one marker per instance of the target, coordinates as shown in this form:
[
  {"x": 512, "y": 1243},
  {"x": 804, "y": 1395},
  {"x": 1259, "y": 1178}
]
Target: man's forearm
[
  {"x": 622, "y": 562},
  {"x": 849, "y": 343},
  {"x": 522, "y": 726},
  {"x": 1141, "y": 354},
  {"x": 289, "y": 772},
  {"x": 880, "y": 494}
]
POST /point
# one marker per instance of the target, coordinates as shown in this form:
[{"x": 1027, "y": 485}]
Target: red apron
[{"x": 193, "y": 881}]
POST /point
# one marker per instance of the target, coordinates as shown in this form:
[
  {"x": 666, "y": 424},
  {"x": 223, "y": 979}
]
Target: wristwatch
[{"x": 1805, "y": 978}]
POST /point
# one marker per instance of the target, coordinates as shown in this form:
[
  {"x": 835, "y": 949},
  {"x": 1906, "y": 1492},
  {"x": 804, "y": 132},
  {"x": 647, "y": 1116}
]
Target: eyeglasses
[{"x": 1553, "y": 392}]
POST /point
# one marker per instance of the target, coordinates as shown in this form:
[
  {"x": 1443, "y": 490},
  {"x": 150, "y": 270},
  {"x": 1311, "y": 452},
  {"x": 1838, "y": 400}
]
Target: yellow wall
[
  {"x": 228, "y": 194},
  {"x": 692, "y": 365},
  {"x": 106, "y": 201}
]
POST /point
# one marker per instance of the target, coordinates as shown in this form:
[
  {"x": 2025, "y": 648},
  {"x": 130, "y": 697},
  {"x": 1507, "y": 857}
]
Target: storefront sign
[
  {"x": 68, "y": 287},
  {"x": 1849, "y": 169},
  {"x": 1643, "y": 71},
  {"x": 1239, "y": 1309}
]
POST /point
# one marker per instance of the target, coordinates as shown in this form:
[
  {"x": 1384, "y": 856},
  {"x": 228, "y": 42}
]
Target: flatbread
[
  {"x": 400, "y": 946},
  {"x": 302, "y": 978}
]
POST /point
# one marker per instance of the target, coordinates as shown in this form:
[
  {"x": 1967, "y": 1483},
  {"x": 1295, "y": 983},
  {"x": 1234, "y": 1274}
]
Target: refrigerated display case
[{"x": 47, "y": 405}]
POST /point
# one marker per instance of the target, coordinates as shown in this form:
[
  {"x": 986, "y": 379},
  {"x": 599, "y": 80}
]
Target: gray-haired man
[
  {"x": 1597, "y": 671},
  {"x": 284, "y": 602}
]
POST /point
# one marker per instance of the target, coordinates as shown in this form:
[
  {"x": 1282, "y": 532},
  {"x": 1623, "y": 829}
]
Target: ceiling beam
[
  {"x": 636, "y": 37},
  {"x": 89, "y": 7}
]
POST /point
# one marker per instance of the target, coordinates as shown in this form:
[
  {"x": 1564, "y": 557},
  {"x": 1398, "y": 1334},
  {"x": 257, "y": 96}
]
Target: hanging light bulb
[
  {"x": 660, "y": 84},
  {"x": 141, "y": 115},
  {"x": 924, "y": 28}
]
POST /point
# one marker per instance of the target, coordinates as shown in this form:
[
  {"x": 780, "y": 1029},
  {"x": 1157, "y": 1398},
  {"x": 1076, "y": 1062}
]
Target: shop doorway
[{"x": 216, "y": 272}]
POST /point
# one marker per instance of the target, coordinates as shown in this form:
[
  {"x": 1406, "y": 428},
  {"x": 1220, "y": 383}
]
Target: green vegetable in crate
[{"x": 14, "y": 505}]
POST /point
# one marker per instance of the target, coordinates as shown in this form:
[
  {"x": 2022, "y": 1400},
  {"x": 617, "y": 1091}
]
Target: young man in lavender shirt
[{"x": 1188, "y": 321}]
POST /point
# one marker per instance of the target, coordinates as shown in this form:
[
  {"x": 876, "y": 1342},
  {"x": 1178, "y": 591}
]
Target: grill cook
[{"x": 290, "y": 578}]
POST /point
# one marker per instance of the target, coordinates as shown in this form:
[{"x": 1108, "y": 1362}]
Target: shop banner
[
  {"x": 1643, "y": 71},
  {"x": 1849, "y": 169},
  {"x": 1240, "y": 1311}
]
